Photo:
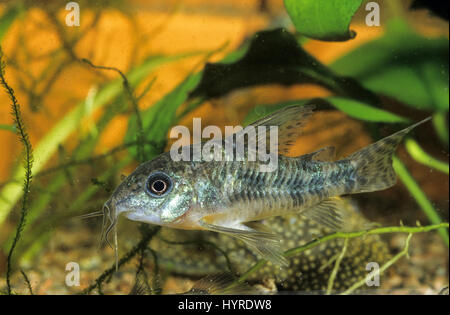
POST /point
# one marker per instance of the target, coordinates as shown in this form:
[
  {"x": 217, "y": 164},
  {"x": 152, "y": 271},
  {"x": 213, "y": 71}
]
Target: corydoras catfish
[{"x": 233, "y": 197}]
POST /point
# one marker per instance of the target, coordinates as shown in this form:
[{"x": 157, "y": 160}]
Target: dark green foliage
[
  {"x": 403, "y": 65},
  {"x": 275, "y": 57}
]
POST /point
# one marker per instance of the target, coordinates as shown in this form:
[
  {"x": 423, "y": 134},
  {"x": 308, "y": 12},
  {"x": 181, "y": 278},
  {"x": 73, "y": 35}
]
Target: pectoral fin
[
  {"x": 327, "y": 213},
  {"x": 263, "y": 243}
]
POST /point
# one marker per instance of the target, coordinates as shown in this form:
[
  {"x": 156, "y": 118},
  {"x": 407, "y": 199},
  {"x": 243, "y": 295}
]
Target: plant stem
[
  {"x": 418, "y": 154},
  {"x": 345, "y": 235},
  {"x": 11, "y": 191},
  {"x": 383, "y": 268},
  {"x": 28, "y": 166},
  {"x": 336, "y": 267},
  {"x": 440, "y": 125},
  {"x": 419, "y": 196}
]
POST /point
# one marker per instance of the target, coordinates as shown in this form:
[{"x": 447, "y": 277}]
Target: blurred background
[{"x": 82, "y": 124}]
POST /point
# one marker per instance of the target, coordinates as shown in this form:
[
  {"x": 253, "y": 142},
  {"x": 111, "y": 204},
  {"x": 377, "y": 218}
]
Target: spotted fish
[
  {"x": 197, "y": 254},
  {"x": 232, "y": 197}
]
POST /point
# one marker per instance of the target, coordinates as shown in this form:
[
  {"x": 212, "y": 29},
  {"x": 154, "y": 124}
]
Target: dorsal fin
[
  {"x": 289, "y": 121},
  {"x": 324, "y": 154}
]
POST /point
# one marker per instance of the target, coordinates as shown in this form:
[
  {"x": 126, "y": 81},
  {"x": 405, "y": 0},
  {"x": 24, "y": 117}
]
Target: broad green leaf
[
  {"x": 323, "y": 19},
  {"x": 364, "y": 112},
  {"x": 403, "y": 65}
]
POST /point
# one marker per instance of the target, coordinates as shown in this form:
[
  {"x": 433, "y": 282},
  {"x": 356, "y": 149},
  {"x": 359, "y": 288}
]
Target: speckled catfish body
[
  {"x": 199, "y": 253},
  {"x": 230, "y": 197}
]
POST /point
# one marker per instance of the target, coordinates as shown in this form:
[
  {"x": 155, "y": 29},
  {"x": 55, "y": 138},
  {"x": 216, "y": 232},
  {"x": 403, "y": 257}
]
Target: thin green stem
[
  {"x": 420, "y": 197},
  {"x": 345, "y": 235},
  {"x": 11, "y": 192},
  {"x": 440, "y": 125},
  {"x": 132, "y": 99},
  {"x": 383, "y": 268},
  {"x": 143, "y": 243},
  {"x": 27, "y": 281},
  {"x": 336, "y": 268},
  {"x": 418, "y": 154}
]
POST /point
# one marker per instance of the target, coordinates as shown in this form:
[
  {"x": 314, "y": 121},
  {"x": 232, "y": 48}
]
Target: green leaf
[
  {"x": 274, "y": 57},
  {"x": 441, "y": 126},
  {"x": 364, "y": 111},
  {"x": 354, "y": 109},
  {"x": 403, "y": 65},
  {"x": 323, "y": 19},
  {"x": 8, "y": 17},
  {"x": 11, "y": 128}
]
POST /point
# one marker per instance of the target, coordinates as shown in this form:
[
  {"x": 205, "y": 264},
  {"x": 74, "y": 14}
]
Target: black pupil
[{"x": 159, "y": 186}]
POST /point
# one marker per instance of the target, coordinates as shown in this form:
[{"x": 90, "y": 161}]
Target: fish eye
[{"x": 158, "y": 184}]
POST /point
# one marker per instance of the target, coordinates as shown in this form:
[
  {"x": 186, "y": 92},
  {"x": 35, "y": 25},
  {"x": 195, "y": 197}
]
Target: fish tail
[{"x": 373, "y": 164}]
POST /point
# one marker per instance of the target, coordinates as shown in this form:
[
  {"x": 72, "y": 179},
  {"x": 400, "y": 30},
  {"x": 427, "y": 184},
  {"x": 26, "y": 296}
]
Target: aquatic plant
[
  {"x": 401, "y": 65},
  {"x": 24, "y": 138}
]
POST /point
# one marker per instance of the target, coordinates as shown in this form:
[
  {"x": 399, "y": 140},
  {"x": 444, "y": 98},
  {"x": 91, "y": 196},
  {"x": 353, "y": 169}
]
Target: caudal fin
[{"x": 373, "y": 164}]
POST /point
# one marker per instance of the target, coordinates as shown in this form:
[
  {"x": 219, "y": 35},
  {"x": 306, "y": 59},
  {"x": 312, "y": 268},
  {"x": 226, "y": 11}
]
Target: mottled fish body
[
  {"x": 230, "y": 197},
  {"x": 195, "y": 254}
]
